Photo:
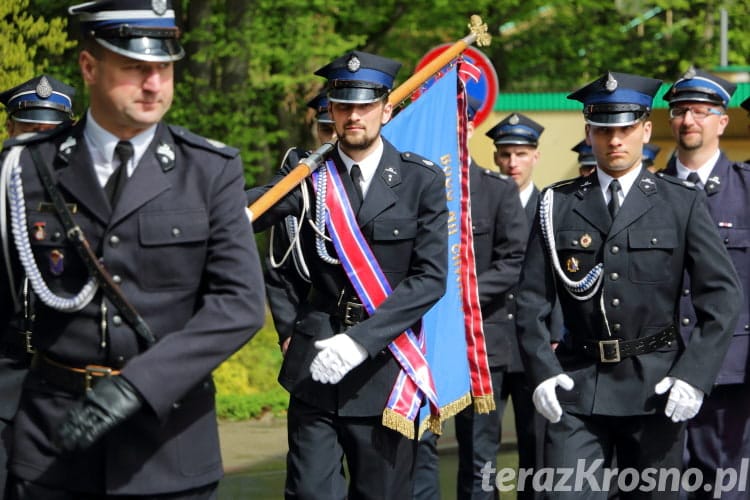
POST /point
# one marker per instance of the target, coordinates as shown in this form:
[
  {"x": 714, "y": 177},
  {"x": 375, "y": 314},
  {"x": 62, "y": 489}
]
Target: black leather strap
[
  {"x": 614, "y": 350},
  {"x": 95, "y": 268},
  {"x": 72, "y": 379}
]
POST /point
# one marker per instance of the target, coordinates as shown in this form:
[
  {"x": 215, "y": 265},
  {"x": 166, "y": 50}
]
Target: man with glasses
[{"x": 719, "y": 436}]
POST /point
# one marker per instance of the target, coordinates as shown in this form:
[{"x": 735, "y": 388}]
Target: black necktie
[
  {"x": 356, "y": 174},
  {"x": 695, "y": 179},
  {"x": 115, "y": 183},
  {"x": 614, "y": 199}
]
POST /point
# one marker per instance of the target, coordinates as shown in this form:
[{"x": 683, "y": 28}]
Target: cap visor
[
  {"x": 145, "y": 49},
  {"x": 355, "y": 95},
  {"x": 613, "y": 119},
  {"x": 40, "y": 115}
]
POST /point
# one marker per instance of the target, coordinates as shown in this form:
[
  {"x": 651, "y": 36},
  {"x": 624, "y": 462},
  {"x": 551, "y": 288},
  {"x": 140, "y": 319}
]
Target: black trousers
[
  {"x": 718, "y": 439},
  {"x": 380, "y": 461},
  {"x": 479, "y": 437},
  {"x": 26, "y": 490},
  {"x": 644, "y": 446}
]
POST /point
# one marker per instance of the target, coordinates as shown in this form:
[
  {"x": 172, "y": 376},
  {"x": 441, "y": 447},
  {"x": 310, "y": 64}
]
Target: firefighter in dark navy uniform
[
  {"x": 338, "y": 367},
  {"x": 612, "y": 248},
  {"x": 719, "y": 436},
  {"x": 128, "y": 328},
  {"x": 36, "y": 105}
]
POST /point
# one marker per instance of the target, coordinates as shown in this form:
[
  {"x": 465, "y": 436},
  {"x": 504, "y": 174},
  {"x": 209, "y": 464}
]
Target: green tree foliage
[{"x": 27, "y": 42}]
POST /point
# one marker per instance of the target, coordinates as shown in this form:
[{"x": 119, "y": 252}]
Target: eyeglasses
[{"x": 699, "y": 114}]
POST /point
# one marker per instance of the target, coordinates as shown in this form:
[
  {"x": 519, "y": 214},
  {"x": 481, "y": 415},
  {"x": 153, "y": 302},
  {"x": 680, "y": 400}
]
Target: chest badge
[
  {"x": 56, "y": 258},
  {"x": 39, "y": 232},
  {"x": 572, "y": 265},
  {"x": 585, "y": 240}
]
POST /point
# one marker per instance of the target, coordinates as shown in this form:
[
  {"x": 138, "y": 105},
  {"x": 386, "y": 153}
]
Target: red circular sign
[{"x": 477, "y": 73}]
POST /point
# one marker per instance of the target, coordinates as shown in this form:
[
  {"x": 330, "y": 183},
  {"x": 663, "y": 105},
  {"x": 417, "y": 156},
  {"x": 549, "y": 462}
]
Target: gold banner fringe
[
  {"x": 404, "y": 426},
  {"x": 484, "y": 404},
  {"x": 398, "y": 423}
]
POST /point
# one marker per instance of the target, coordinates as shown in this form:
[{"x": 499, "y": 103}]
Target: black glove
[{"x": 108, "y": 404}]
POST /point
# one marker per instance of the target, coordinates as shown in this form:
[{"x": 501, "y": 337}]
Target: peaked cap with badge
[
  {"x": 39, "y": 100},
  {"x": 320, "y": 104},
  {"x": 516, "y": 129},
  {"x": 139, "y": 29},
  {"x": 617, "y": 99},
  {"x": 700, "y": 86},
  {"x": 585, "y": 154},
  {"x": 650, "y": 152},
  {"x": 359, "y": 77}
]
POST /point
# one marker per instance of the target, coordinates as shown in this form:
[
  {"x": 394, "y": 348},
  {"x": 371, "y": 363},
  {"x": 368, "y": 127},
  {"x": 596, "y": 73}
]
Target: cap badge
[
  {"x": 514, "y": 120},
  {"x": 689, "y": 74},
  {"x": 572, "y": 265},
  {"x": 43, "y": 88},
  {"x": 353, "y": 64},
  {"x": 586, "y": 240},
  {"x": 159, "y": 6},
  {"x": 611, "y": 83}
]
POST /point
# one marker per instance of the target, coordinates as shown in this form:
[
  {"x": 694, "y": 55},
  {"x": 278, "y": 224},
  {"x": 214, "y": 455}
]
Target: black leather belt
[
  {"x": 346, "y": 307},
  {"x": 70, "y": 378},
  {"x": 614, "y": 350}
]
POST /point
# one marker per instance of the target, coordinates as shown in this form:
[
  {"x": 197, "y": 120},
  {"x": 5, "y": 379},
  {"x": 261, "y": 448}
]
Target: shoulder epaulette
[
  {"x": 418, "y": 159},
  {"x": 742, "y": 165},
  {"x": 674, "y": 180},
  {"x": 494, "y": 174},
  {"x": 203, "y": 143},
  {"x": 562, "y": 183},
  {"x": 34, "y": 137}
]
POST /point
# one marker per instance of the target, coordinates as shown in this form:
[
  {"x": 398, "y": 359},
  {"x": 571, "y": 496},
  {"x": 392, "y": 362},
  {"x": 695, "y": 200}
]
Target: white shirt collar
[
  {"x": 101, "y": 145},
  {"x": 368, "y": 165},
  {"x": 704, "y": 171},
  {"x": 626, "y": 182},
  {"x": 526, "y": 194}
]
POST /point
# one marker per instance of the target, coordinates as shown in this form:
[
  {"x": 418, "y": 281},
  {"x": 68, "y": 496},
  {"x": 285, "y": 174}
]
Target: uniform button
[
  {"x": 114, "y": 240},
  {"x": 654, "y": 241},
  {"x": 116, "y": 278},
  {"x": 510, "y": 315},
  {"x": 117, "y": 320},
  {"x": 614, "y": 276},
  {"x": 616, "y": 327},
  {"x": 176, "y": 231},
  {"x": 685, "y": 321},
  {"x": 726, "y": 241},
  {"x": 121, "y": 359},
  {"x": 747, "y": 328},
  {"x": 615, "y": 249},
  {"x": 574, "y": 243},
  {"x": 615, "y": 302},
  {"x": 686, "y": 292},
  {"x": 395, "y": 232},
  {"x": 176, "y": 406},
  {"x": 56, "y": 236},
  {"x": 511, "y": 296}
]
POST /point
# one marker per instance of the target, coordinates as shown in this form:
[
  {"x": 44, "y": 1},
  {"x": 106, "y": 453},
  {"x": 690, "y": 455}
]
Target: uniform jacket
[
  {"x": 728, "y": 192},
  {"x": 404, "y": 219},
  {"x": 662, "y": 228},
  {"x": 500, "y": 233},
  {"x": 180, "y": 246}
]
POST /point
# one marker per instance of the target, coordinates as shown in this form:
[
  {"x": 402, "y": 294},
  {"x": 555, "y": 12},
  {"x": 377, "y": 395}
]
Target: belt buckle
[
  {"x": 604, "y": 356},
  {"x": 93, "y": 371},
  {"x": 352, "y": 314}
]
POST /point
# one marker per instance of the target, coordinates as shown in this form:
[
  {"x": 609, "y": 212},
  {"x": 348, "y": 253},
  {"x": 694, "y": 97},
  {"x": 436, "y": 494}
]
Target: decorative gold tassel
[
  {"x": 484, "y": 404},
  {"x": 398, "y": 423}
]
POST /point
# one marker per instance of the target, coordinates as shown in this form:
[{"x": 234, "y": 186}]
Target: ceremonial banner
[{"x": 434, "y": 126}]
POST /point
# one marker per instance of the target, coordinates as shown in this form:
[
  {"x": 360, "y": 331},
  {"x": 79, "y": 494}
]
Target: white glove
[
  {"x": 545, "y": 398},
  {"x": 684, "y": 400},
  {"x": 337, "y": 356}
]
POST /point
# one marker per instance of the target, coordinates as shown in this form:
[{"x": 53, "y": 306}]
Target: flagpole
[{"x": 308, "y": 165}]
